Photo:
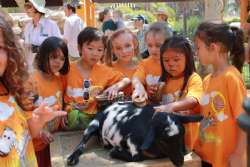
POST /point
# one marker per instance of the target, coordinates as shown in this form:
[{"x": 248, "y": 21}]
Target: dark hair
[
  {"x": 16, "y": 70},
  {"x": 48, "y": 47},
  {"x": 181, "y": 45},
  {"x": 232, "y": 39},
  {"x": 109, "y": 51},
  {"x": 102, "y": 14},
  {"x": 88, "y": 35},
  {"x": 71, "y": 7}
]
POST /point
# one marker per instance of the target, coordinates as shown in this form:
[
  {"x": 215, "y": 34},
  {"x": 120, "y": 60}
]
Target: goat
[{"x": 137, "y": 133}]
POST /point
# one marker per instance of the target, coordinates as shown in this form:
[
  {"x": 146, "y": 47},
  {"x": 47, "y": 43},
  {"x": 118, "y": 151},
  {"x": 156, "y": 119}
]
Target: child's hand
[
  {"x": 165, "y": 108},
  {"x": 111, "y": 92},
  {"x": 64, "y": 122},
  {"x": 139, "y": 95},
  {"x": 45, "y": 113},
  {"x": 236, "y": 159},
  {"x": 46, "y": 137}
]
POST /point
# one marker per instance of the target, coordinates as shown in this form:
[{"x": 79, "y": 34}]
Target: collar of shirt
[{"x": 40, "y": 22}]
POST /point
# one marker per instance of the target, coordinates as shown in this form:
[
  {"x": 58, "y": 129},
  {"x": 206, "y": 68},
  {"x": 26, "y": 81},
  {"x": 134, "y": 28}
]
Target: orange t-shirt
[
  {"x": 16, "y": 148},
  {"x": 101, "y": 77},
  {"x": 50, "y": 92},
  {"x": 128, "y": 73},
  {"x": 171, "y": 93},
  {"x": 221, "y": 105},
  {"x": 148, "y": 70}
]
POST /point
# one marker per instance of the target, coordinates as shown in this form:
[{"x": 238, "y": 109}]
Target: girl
[
  {"x": 88, "y": 78},
  {"x": 221, "y": 143},
  {"x": 52, "y": 64},
  {"x": 149, "y": 70},
  {"x": 16, "y": 148},
  {"x": 183, "y": 87},
  {"x": 124, "y": 45}
]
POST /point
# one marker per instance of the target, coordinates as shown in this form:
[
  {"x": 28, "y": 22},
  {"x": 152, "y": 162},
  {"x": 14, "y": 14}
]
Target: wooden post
[
  {"x": 81, "y": 11},
  {"x": 88, "y": 12},
  {"x": 93, "y": 19},
  {"x": 243, "y": 13}
]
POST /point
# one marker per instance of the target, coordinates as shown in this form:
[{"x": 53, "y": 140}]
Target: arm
[
  {"x": 238, "y": 158},
  {"x": 188, "y": 103},
  {"x": 113, "y": 90},
  {"x": 139, "y": 90},
  {"x": 40, "y": 117}
]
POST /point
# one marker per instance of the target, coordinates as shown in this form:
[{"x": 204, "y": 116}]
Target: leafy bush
[{"x": 192, "y": 24}]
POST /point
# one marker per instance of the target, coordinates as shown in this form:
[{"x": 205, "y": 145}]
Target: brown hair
[
  {"x": 102, "y": 14},
  {"x": 16, "y": 69},
  {"x": 158, "y": 28},
  {"x": 109, "y": 51}
]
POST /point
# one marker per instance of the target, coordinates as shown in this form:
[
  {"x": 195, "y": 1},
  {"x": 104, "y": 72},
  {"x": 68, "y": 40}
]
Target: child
[
  {"x": 149, "y": 70},
  {"x": 221, "y": 143},
  {"x": 52, "y": 64},
  {"x": 183, "y": 87},
  {"x": 88, "y": 78},
  {"x": 124, "y": 45},
  {"x": 16, "y": 129}
]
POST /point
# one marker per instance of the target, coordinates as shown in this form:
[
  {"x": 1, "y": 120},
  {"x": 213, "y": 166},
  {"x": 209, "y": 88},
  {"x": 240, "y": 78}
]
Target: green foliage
[
  {"x": 149, "y": 14},
  {"x": 230, "y": 20},
  {"x": 13, "y": 10},
  {"x": 128, "y": 11},
  {"x": 192, "y": 24}
]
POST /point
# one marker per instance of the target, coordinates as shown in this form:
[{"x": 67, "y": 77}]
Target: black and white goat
[{"x": 137, "y": 133}]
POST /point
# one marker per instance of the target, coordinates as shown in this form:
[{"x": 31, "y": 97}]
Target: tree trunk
[{"x": 214, "y": 10}]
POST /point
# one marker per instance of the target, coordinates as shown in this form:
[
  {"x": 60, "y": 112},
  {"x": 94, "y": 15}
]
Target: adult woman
[{"x": 39, "y": 28}]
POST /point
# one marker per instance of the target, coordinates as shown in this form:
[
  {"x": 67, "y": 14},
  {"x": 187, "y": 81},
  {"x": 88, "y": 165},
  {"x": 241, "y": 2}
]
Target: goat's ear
[{"x": 149, "y": 138}]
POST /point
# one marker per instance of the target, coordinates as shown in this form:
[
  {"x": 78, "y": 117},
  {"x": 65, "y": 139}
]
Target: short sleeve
[
  {"x": 114, "y": 76},
  {"x": 195, "y": 88}
]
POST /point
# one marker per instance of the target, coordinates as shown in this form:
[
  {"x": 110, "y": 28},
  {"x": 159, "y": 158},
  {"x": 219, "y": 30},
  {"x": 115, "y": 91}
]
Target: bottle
[{"x": 86, "y": 87}]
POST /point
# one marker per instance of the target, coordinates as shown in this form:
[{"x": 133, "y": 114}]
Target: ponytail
[
  {"x": 109, "y": 53},
  {"x": 237, "y": 51}
]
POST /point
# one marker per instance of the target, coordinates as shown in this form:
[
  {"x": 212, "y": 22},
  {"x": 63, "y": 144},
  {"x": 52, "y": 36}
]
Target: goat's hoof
[{"x": 73, "y": 159}]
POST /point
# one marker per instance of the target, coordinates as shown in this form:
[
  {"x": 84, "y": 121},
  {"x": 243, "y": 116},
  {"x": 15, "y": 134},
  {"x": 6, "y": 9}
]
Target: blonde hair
[{"x": 109, "y": 50}]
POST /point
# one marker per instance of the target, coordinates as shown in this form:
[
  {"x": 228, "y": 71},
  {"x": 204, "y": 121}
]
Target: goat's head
[{"x": 166, "y": 127}]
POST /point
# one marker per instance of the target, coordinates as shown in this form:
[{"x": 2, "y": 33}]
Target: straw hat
[
  {"x": 161, "y": 11},
  {"x": 39, "y": 5}
]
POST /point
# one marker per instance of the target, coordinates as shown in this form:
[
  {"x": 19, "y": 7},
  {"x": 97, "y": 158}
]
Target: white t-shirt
[
  {"x": 72, "y": 27},
  {"x": 36, "y": 35}
]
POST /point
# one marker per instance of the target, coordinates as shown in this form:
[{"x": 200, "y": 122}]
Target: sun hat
[
  {"x": 39, "y": 5},
  {"x": 161, "y": 11}
]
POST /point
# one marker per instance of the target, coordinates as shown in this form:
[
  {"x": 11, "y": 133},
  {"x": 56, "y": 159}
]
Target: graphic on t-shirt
[
  {"x": 152, "y": 80},
  {"x": 8, "y": 141},
  {"x": 215, "y": 114},
  {"x": 217, "y": 104},
  {"x": 5, "y": 111},
  {"x": 51, "y": 100},
  {"x": 170, "y": 97}
]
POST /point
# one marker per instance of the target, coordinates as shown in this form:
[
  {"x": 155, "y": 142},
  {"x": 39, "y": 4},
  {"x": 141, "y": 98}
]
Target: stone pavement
[{"x": 96, "y": 156}]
